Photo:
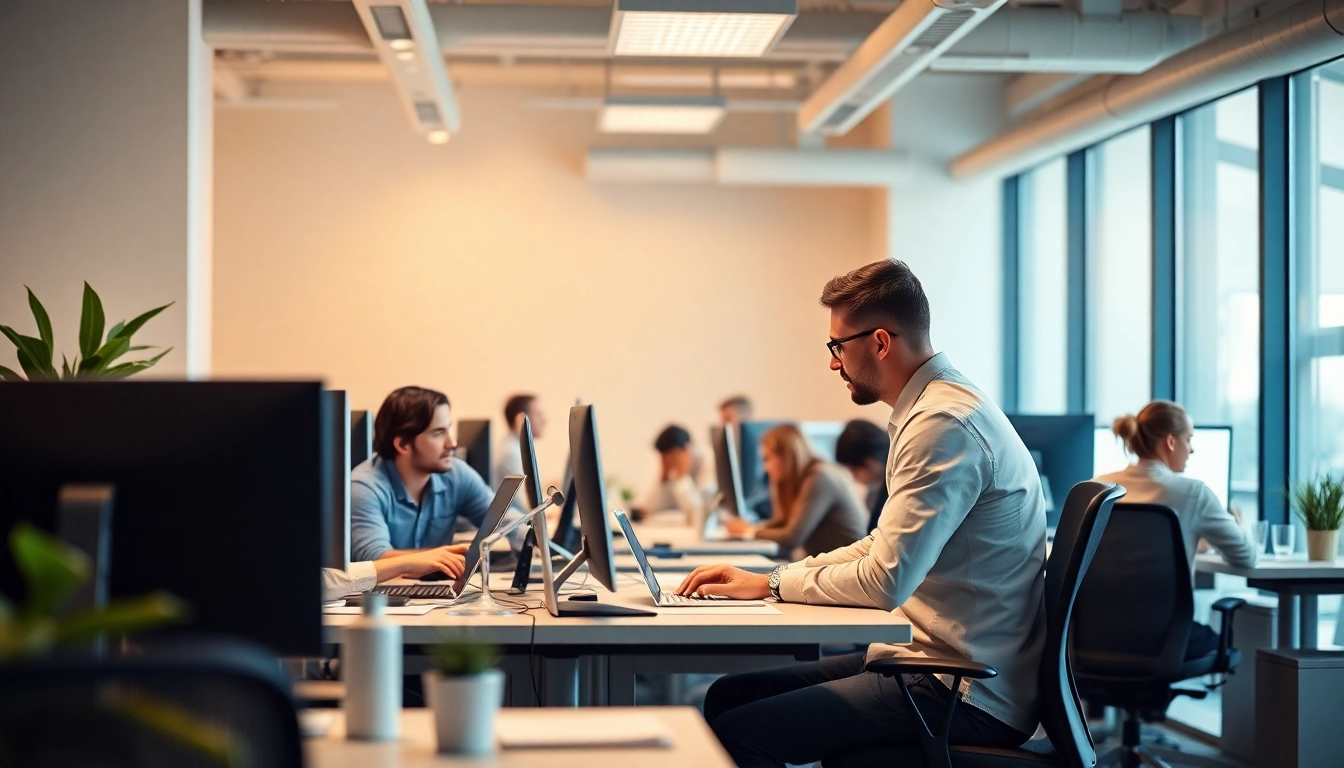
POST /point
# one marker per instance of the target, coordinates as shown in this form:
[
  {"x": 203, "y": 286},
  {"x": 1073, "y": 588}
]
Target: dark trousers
[
  {"x": 1203, "y": 641},
  {"x": 811, "y": 711}
]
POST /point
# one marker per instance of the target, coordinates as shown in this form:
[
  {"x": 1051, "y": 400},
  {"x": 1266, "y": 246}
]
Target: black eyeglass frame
[{"x": 835, "y": 345}]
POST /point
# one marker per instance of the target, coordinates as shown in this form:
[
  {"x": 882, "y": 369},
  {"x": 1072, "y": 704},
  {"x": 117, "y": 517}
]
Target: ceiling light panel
[
  {"x": 699, "y": 28},
  {"x": 661, "y": 115}
]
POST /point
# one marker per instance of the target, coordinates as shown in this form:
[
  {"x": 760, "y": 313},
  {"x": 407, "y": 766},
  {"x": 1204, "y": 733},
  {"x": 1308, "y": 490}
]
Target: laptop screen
[
  {"x": 493, "y": 515},
  {"x": 638, "y": 552}
]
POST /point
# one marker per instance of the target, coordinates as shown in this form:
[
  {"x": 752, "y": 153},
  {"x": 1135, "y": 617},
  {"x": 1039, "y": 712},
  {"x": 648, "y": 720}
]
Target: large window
[
  {"x": 1043, "y": 290},
  {"x": 1120, "y": 301},
  {"x": 1320, "y": 236},
  {"x": 1218, "y": 357}
]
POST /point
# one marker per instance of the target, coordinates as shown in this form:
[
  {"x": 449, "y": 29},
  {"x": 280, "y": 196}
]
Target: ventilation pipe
[
  {"x": 1298, "y": 37},
  {"x": 750, "y": 166}
]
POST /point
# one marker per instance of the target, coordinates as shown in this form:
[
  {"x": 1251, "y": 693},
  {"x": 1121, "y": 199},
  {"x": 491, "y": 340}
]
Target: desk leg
[
  {"x": 1308, "y": 623},
  {"x": 562, "y": 682},
  {"x": 1287, "y": 622},
  {"x": 620, "y": 681}
]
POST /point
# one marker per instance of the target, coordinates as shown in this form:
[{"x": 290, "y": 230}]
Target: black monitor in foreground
[
  {"x": 339, "y": 434},
  {"x": 726, "y": 469},
  {"x": 591, "y": 494},
  {"x": 473, "y": 446},
  {"x": 1062, "y": 447},
  {"x": 361, "y": 437},
  {"x": 222, "y": 493}
]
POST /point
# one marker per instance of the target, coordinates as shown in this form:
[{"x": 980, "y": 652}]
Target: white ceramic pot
[
  {"x": 1322, "y": 545},
  {"x": 464, "y": 710}
]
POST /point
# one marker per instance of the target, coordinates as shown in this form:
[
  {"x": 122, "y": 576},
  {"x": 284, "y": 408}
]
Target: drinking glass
[
  {"x": 1260, "y": 535},
  {"x": 1283, "y": 541}
]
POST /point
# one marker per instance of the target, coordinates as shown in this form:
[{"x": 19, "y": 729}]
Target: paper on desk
[
  {"x": 391, "y": 610},
  {"x": 543, "y": 728}
]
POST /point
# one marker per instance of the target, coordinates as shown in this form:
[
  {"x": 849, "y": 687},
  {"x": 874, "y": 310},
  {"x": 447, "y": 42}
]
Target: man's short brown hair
[
  {"x": 882, "y": 294},
  {"x": 405, "y": 413}
]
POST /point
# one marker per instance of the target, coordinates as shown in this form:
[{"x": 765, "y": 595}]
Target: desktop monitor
[
  {"x": 822, "y": 436},
  {"x": 1211, "y": 462},
  {"x": 195, "y": 508},
  {"x": 750, "y": 463},
  {"x": 339, "y": 434},
  {"x": 361, "y": 437},
  {"x": 522, "y": 573},
  {"x": 726, "y": 469},
  {"x": 591, "y": 494},
  {"x": 1062, "y": 446},
  {"x": 473, "y": 446},
  {"x": 528, "y": 450}
]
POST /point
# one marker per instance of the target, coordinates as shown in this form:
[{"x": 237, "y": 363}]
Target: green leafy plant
[
  {"x": 1319, "y": 503},
  {"x": 53, "y": 571},
  {"x": 97, "y": 354},
  {"x": 464, "y": 658}
]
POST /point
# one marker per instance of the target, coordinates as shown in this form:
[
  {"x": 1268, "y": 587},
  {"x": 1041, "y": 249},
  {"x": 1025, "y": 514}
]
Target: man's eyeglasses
[{"x": 836, "y": 345}]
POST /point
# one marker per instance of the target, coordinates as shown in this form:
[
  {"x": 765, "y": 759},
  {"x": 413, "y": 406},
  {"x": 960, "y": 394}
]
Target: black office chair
[
  {"x": 1069, "y": 742},
  {"x": 208, "y": 704},
  {"x": 1132, "y": 624}
]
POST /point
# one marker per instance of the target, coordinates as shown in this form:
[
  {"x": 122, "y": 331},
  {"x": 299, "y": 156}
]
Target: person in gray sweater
[{"x": 815, "y": 507}]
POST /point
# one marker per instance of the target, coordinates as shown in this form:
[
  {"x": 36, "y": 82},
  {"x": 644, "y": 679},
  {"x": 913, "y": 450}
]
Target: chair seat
[
  {"x": 1037, "y": 752},
  {"x": 1123, "y": 687}
]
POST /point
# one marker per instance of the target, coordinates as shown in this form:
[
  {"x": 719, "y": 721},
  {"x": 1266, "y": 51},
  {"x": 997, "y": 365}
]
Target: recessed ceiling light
[
  {"x": 701, "y": 28},
  {"x": 402, "y": 44},
  {"x": 437, "y": 137},
  {"x": 661, "y": 114},
  {"x": 405, "y": 55}
]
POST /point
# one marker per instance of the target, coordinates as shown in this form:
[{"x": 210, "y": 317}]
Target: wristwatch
[{"x": 773, "y": 582}]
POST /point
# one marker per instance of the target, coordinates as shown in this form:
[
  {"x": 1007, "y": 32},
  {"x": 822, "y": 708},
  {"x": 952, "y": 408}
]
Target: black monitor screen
[
  {"x": 1064, "y": 445},
  {"x": 473, "y": 446},
  {"x": 591, "y": 493},
  {"x": 222, "y": 493}
]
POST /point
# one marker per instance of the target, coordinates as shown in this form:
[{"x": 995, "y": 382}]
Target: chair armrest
[
  {"x": 1227, "y": 606},
  {"x": 910, "y": 665}
]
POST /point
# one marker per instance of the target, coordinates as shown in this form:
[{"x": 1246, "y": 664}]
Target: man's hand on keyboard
[
  {"x": 727, "y": 581},
  {"x": 416, "y": 564}
]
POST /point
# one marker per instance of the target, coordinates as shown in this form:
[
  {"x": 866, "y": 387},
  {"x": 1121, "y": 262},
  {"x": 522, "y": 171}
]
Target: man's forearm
[{"x": 398, "y": 553}]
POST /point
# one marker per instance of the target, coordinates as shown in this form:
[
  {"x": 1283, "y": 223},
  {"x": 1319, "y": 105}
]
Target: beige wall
[{"x": 348, "y": 249}]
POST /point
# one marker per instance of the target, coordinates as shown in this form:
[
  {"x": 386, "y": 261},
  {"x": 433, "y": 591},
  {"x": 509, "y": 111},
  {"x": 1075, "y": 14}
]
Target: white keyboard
[{"x": 672, "y": 598}]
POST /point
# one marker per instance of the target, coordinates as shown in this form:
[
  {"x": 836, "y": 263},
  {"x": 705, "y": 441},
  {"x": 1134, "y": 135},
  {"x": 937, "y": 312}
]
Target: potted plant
[
  {"x": 1319, "y": 504},
  {"x": 465, "y": 690},
  {"x": 97, "y": 353}
]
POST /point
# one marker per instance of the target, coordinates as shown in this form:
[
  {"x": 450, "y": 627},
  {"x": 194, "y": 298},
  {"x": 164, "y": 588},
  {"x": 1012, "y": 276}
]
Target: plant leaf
[
  {"x": 139, "y": 322},
  {"x": 121, "y": 617},
  {"x": 43, "y": 321},
  {"x": 66, "y": 372},
  {"x": 34, "y": 371},
  {"x": 51, "y": 569},
  {"x": 112, "y": 350},
  {"x": 130, "y": 369},
  {"x": 8, "y": 375},
  {"x": 89, "y": 365},
  {"x": 115, "y": 330},
  {"x": 90, "y": 322}
]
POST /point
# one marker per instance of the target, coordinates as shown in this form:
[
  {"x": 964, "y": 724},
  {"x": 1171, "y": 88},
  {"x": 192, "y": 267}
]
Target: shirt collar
[
  {"x": 1154, "y": 468},
  {"x": 436, "y": 481},
  {"x": 914, "y": 388}
]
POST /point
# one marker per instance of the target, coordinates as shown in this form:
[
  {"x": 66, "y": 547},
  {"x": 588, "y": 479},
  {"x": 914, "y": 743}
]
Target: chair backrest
[
  {"x": 1081, "y": 524},
  {"x": 206, "y": 704},
  {"x": 1137, "y": 603}
]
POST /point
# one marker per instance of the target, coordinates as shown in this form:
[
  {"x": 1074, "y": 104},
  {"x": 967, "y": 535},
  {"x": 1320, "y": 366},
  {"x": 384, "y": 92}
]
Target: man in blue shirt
[{"x": 408, "y": 497}]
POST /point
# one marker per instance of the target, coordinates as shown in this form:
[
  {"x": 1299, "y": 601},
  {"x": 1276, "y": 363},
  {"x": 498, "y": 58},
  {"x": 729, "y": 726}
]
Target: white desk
[
  {"x": 694, "y": 745},
  {"x": 625, "y": 563},
  {"x": 689, "y": 541},
  {"x": 1294, "y": 580},
  {"x": 614, "y": 649}
]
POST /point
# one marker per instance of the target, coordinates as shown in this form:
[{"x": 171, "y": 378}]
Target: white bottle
[{"x": 371, "y": 668}]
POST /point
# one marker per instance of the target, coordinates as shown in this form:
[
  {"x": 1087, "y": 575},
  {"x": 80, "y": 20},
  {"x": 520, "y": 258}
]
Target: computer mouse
[{"x": 589, "y": 596}]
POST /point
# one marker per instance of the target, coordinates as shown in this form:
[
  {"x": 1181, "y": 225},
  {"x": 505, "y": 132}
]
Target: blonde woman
[
  {"x": 813, "y": 500},
  {"x": 1160, "y": 439}
]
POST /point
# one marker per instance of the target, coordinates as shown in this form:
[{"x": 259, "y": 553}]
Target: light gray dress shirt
[
  {"x": 959, "y": 548},
  {"x": 336, "y": 583},
  {"x": 1202, "y": 517}
]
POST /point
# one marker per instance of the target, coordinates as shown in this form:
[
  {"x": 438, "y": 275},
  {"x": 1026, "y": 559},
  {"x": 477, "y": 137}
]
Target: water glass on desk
[
  {"x": 1283, "y": 541},
  {"x": 1260, "y": 535}
]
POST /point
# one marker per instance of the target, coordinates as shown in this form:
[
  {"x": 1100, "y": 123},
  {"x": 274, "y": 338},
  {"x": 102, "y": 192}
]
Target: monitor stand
[
  {"x": 522, "y": 573},
  {"x": 566, "y": 608}
]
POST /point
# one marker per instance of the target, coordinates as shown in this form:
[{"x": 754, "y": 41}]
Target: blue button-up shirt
[{"x": 383, "y": 516}]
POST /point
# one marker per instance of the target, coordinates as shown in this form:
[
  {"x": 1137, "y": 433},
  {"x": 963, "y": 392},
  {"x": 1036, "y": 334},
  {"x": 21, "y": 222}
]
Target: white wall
[
  {"x": 347, "y": 248},
  {"x": 949, "y": 232},
  {"x": 105, "y": 119}
]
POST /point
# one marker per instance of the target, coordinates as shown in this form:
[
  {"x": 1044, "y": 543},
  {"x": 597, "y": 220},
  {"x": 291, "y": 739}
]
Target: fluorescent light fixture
[
  {"x": 661, "y": 114},
  {"x": 700, "y": 28},
  {"x": 437, "y": 137}
]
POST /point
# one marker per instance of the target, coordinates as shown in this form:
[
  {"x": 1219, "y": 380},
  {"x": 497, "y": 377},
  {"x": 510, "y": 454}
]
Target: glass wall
[
  {"x": 1218, "y": 355},
  {"x": 1043, "y": 290},
  {"x": 1120, "y": 285}
]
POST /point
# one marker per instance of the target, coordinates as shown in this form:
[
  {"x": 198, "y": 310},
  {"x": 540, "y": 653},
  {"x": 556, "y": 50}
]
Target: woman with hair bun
[{"x": 1160, "y": 439}]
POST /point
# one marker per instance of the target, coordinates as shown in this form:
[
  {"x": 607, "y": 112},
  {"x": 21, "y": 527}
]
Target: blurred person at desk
[
  {"x": 509, "y": 460},
  {"x": 813, "y": 500},
  {"x": 863, "y": 449},
  {"x": 1161, "y": 439},
  {"x": 735, "y": 410},
  {"x": 364, "y": 576},
  {"x": 676, "y": 488},
  {"x": 958, "y": 551},
  {"x": 408, "y": 496}
]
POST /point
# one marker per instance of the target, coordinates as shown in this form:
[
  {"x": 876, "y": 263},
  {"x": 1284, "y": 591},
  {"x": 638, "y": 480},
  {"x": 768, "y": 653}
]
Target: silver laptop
[{"x": 671, "y": 599}]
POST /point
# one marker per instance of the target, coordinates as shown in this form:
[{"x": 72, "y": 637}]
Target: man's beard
[
  {"x": 864, "y": 393},
  {"x": 427, "y": 463}
]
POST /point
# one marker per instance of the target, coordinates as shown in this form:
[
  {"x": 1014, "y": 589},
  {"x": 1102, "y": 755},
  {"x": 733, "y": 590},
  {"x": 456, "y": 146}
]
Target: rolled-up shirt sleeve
[
  {"x": 940, "y": 469},
  {"x": 336, "y": 583}
]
